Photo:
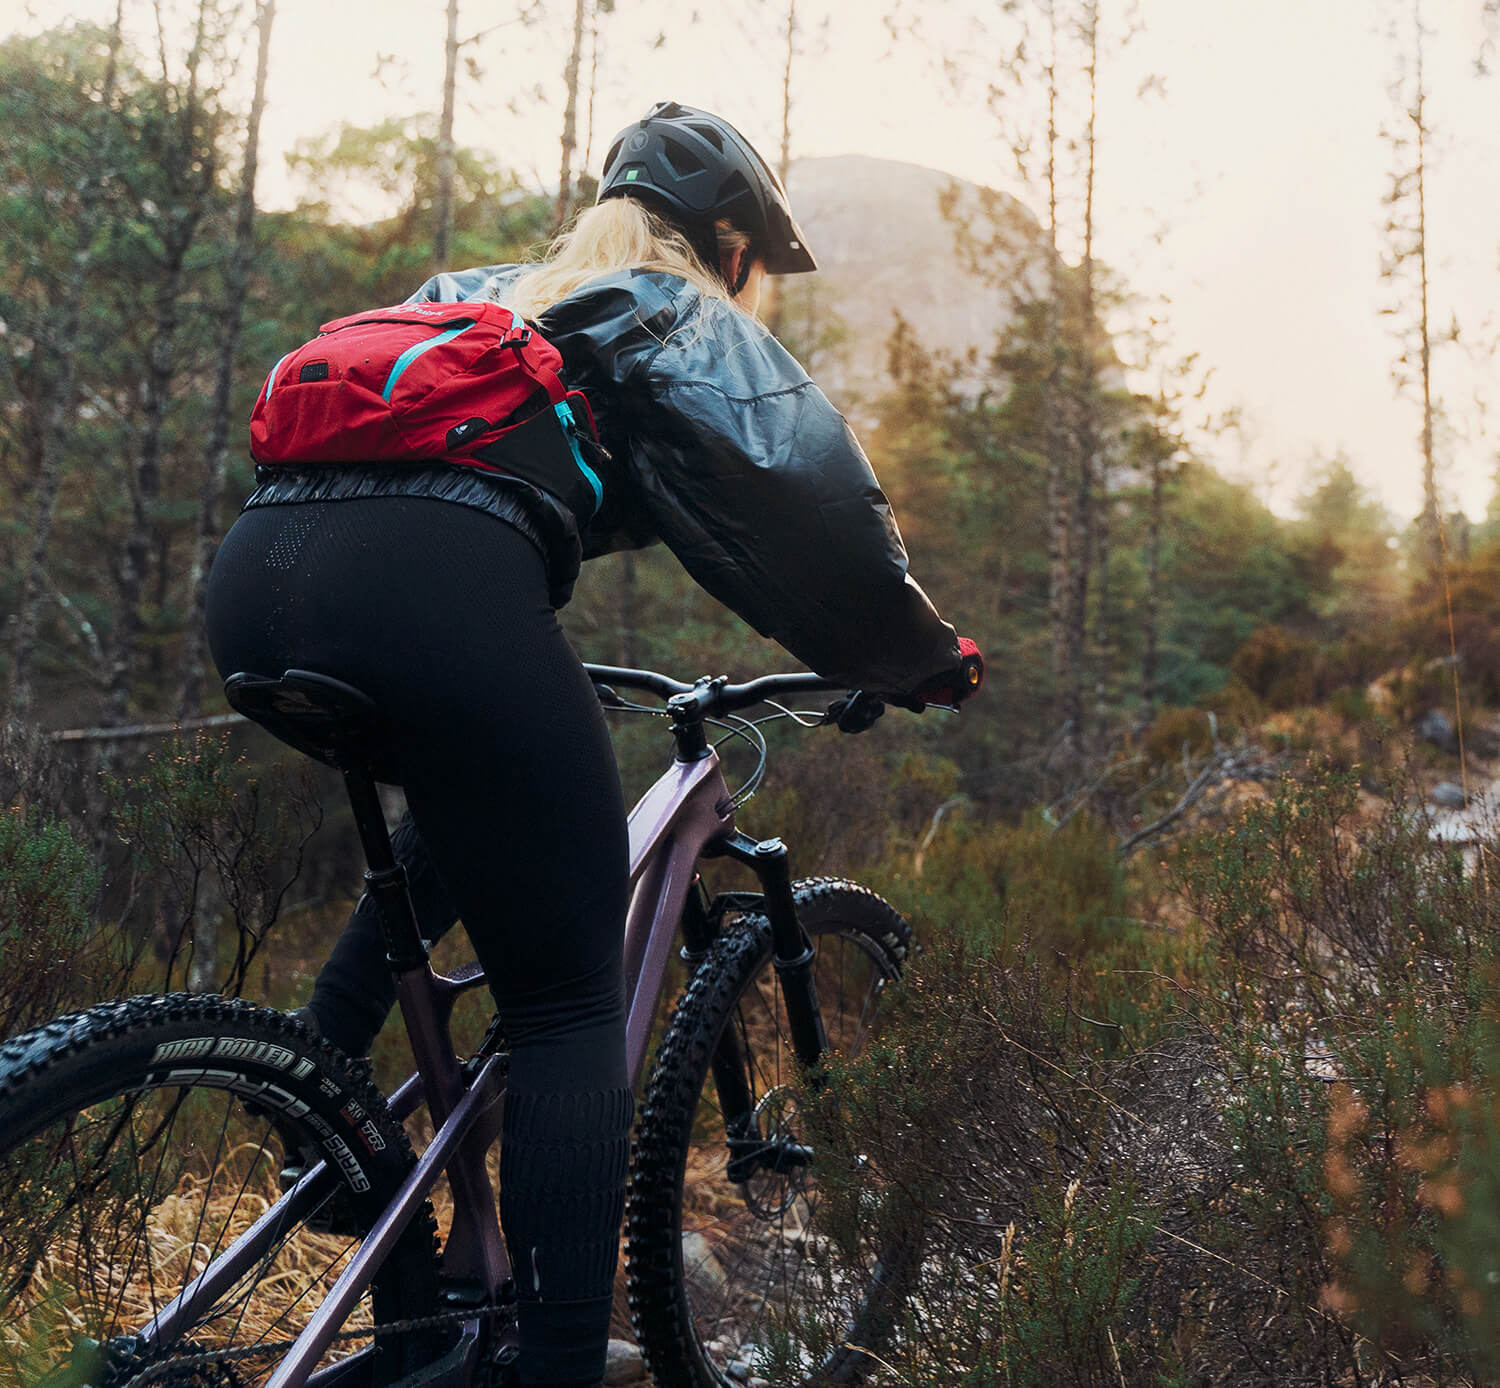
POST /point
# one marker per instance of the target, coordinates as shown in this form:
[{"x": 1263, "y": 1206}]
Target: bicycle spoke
[
  {"x": 119, "y": 1206},
  {"x": 150, "y": 1201}
]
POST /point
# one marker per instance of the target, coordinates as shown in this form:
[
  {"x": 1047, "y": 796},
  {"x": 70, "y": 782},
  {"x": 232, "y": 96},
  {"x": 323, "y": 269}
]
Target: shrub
[
  {"x": 47, "y": 888},
  {"x": 216, "y": 849},
  {"x": 1178, "y": 734},
  {"x": 1278, "y": 667},
  {"x": 1258, "y": 1147}
]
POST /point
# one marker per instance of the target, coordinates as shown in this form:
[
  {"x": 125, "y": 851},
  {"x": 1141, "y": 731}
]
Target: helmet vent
[
  {"x": 680, "y": 160},
  {"x": 710, "y": 134}
]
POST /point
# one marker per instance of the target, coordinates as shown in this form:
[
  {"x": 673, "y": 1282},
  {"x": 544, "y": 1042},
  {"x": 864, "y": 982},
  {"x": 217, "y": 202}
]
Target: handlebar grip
[
  {"x": 971, "y": 669},
  {"x": 954, "y": 686}
]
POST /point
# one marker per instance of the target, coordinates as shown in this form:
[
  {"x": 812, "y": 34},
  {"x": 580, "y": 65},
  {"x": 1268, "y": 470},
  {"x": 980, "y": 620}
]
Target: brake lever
[{"x": 856, "y": 712}]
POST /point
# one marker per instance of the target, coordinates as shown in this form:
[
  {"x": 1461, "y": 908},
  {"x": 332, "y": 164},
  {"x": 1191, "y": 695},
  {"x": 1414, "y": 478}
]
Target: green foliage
[
  {"x": 1343, "y": 542},
  {"x": 47, "y": 888}
]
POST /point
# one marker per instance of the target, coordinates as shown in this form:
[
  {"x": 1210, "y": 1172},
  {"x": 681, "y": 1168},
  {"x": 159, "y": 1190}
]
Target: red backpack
[{"x": 466, "y": 383}]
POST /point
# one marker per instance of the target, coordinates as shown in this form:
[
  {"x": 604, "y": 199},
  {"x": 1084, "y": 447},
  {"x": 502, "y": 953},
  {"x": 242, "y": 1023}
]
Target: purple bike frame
[{"x": 685, "y": 810}]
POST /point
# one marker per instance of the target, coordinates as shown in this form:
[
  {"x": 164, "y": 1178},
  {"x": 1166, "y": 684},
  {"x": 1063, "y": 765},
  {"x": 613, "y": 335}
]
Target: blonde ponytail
[{"x": 617, "y": 234}]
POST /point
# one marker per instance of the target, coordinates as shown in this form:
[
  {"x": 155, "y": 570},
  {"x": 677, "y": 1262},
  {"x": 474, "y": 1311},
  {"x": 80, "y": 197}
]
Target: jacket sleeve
[{"x": 760, "y": 488}]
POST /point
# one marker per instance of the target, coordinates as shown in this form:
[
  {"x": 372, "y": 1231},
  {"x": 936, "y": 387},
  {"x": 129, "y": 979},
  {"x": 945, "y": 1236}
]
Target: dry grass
[{"x": 120, "y": 1276}]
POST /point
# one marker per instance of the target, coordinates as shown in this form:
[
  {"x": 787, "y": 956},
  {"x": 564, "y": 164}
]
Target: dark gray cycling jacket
[{"x": 723, "y": 448}]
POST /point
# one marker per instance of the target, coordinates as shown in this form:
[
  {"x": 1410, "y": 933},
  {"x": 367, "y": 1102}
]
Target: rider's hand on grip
[{"x": 952, "y": 687}]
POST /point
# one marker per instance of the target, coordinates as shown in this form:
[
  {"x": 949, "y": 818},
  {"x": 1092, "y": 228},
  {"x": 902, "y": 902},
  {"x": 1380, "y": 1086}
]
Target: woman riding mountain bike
[{"x": 434, "y": 590}]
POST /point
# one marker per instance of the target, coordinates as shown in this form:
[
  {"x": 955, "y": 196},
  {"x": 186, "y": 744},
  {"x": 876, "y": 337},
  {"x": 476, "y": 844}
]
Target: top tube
[{"x": 715, "y": 696}]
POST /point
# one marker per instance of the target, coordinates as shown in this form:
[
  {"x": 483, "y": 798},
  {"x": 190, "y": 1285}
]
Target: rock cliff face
[{"x": 884, "y": 246}]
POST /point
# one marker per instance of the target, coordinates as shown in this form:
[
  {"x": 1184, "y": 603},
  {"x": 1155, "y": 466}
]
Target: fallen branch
[
  {"x": 937, "y": 819},
  {"x": 219, "y": 720},
  {"x": 1220, "y": 768}
]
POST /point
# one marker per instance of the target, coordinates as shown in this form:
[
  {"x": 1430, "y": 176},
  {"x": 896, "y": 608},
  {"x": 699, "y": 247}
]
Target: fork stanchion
[{"x": 792, "y": 951}]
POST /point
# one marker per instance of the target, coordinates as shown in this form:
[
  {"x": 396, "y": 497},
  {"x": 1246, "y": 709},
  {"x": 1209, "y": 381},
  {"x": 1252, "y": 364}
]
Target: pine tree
[
  {"x": 236, "y": 287},
  {"x": 58, "y": 413}
]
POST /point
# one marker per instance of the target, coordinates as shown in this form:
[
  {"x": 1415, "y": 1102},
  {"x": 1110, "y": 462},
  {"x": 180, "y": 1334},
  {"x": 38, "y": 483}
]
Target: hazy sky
[{"x": 1248, "y": 195}]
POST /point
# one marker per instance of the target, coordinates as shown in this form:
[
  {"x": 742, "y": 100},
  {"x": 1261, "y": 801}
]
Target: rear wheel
[
  {"x": 138, "y": 1141},
  {"x": 732, "y": 1230}
]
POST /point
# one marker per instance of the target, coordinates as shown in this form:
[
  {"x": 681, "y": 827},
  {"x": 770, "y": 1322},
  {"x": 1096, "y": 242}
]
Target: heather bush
[
  {"x": 168, "y": 871},
  {"x": 215, "y": 848},
  {"x": 1255, "y": 1142},
  {"x": 47, "y": 888}
]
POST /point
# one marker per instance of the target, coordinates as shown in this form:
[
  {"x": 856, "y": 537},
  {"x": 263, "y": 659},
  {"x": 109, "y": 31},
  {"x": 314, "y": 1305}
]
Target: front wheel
[
  {"x": 138, "y": 1141},
  {"x": 733, "y": 1239}
]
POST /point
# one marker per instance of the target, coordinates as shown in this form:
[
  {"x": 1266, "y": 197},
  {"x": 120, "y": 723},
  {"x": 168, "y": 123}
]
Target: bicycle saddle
[{"x": 319, "y": 715}]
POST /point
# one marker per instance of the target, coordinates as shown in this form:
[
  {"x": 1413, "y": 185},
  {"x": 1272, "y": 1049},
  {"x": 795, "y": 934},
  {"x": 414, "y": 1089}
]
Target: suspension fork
[{"x": 792, "y": 950}]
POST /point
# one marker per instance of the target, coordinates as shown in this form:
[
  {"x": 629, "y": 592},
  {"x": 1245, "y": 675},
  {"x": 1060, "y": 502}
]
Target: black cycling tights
[{"x": 440, "y": 614}]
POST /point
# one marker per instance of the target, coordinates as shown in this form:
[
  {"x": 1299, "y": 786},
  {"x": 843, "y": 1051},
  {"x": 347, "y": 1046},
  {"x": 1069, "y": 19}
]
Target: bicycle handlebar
[{"x": 716, "y": 696}]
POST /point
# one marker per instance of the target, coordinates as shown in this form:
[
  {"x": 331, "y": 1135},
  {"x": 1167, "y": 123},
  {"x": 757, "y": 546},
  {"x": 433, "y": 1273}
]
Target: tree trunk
[
  {"x": 1430, "y": 520},
  {"x": 570, "y": 121},
  {"x": 1153, "y": 588},
  {"x": 191, "y": 193},
  {"x": 145, "y": 487},
  {"x": 588, "y": 132},
  {"x": 1103, "y": 615},
  {"x": 58, "y": 414},
  {"x": 442, "y": 232},
  {"x": 772, "y": 304},
  {"x": 1087, "y": 431},
  {"x": 1059, "y": 521},
  {"x": 236, "y": 288}
]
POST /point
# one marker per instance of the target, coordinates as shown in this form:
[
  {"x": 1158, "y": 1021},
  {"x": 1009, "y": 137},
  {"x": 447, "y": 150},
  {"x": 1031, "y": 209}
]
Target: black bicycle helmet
[{"x": 697, "y": 168}]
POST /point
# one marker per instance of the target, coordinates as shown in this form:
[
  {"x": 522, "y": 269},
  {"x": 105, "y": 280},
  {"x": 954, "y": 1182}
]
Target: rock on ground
[
  {"x": 1448, "y": 795},
  {"x": 624, "y": 1364},
  {"x": 1437, "y": 728}
]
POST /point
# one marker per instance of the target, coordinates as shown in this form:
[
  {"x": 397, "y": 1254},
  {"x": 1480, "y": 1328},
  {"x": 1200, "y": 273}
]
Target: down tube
[{"x": 686, "y": 808}]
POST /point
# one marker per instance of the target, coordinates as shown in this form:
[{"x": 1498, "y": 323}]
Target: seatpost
[{"x": 385, "y": 880}]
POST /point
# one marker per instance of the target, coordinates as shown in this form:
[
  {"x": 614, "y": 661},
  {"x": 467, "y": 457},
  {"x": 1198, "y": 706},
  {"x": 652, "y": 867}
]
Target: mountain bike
[{"x": 198, "y": 1191}]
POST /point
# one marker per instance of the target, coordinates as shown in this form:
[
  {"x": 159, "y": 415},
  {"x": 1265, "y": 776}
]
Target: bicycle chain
[{"x": 167, "y": 1370}]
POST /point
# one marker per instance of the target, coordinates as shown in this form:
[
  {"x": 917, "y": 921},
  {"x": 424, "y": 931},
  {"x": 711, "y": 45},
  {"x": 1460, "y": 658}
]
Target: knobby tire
[{"x": 717, "y": 1270}]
